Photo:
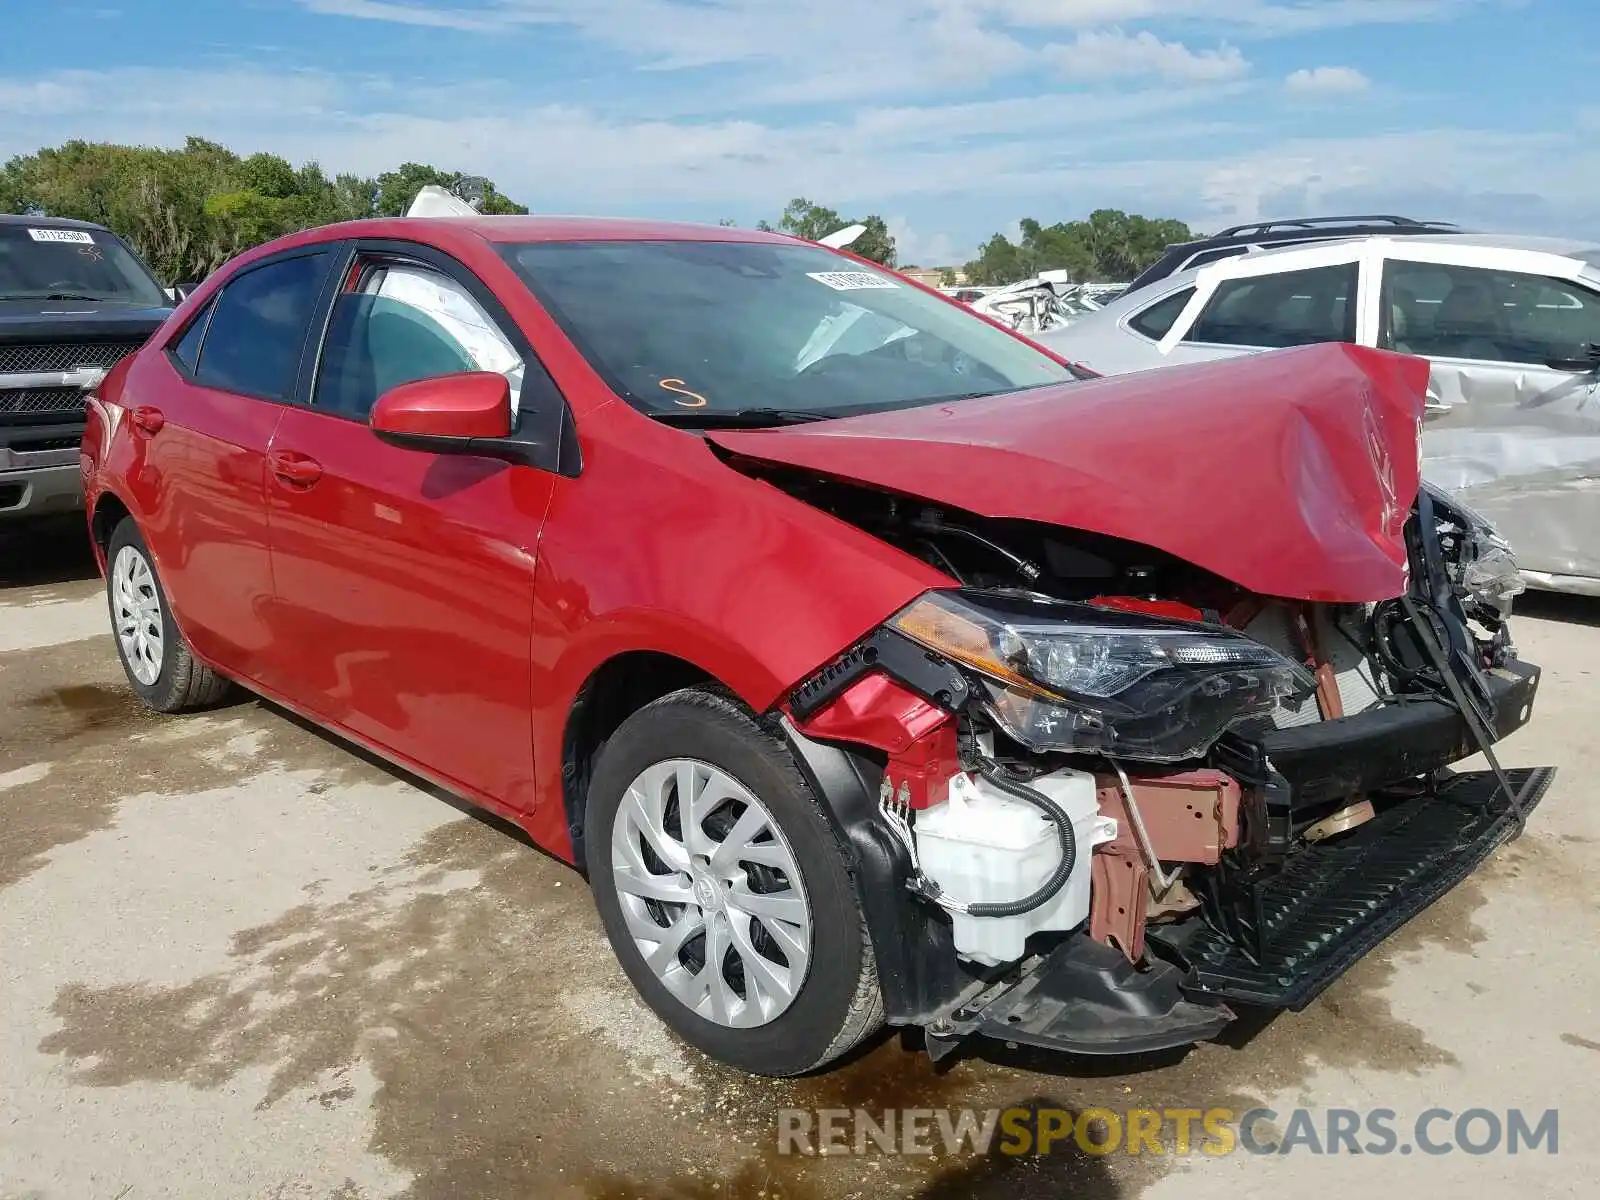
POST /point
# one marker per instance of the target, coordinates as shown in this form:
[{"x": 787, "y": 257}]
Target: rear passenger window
[
  {"x": 1155, "y": 321},
  {"x": 258, "y": 327},
  {"x": 1291, "y": 308},
  {"x": 187, "y": 349}
]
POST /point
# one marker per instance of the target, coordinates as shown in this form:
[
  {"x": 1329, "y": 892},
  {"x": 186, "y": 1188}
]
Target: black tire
[
  {"x": 183, "y": 683},
  {"x": 840, "y": 1002}
]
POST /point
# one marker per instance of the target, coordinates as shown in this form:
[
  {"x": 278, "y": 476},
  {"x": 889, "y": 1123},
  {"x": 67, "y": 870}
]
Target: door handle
[
  {"x": 293, "y": 467},
  {"x": 148, "y": 418}
]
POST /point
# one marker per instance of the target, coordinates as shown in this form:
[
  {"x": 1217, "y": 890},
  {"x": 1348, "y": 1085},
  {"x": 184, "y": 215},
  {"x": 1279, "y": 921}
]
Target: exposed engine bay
[{"x": 1121, "y": 791}]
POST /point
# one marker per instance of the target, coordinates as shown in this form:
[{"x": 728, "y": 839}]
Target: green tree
[
  {"x": 1000, "y": 260},
  {"x": 352, "y": 197},
  {"x": 803, "y": 219},
  {"x": 398, "y": 188},
  {"x": 186, "y": 211},
  {"x": 1110, "y": 245}
]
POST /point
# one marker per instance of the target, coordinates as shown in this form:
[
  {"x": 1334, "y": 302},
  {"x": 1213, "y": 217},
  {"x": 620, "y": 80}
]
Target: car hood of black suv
[{"x": 35, "y": 320}]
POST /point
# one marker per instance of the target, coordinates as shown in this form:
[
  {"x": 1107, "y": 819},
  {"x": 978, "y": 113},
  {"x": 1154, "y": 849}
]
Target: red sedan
[{"x": 871, "y": 663}]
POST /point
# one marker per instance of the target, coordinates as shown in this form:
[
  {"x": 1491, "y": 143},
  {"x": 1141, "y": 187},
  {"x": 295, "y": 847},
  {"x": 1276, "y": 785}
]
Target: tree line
[
  {"x": 803, "y": 219},
  {"x": 187, "y": 211},
  {"x": 1110, "y": 245}
]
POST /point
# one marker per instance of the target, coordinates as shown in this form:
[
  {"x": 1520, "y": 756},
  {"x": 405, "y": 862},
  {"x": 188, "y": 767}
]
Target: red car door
[
  {"x": 201, "y": 417},
  {"x": 404, "y": 579}
]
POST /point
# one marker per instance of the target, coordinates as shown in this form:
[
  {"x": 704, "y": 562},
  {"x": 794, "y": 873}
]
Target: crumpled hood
[{"x": 1290, "y": 473}]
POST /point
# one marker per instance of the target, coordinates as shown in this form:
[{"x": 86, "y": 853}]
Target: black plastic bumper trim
[
  {"x": 1332, "y": 903},
  {"x": 1086, "y": 998}
]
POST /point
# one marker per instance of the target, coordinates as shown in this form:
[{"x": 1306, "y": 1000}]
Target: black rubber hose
[{"x": 1069, "y": 846}]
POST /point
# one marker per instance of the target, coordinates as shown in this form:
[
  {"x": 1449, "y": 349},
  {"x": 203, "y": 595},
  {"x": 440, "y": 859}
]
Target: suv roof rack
[
  {"x": 1241, "y": 238},
  {"x": 1261, "y": 227}
]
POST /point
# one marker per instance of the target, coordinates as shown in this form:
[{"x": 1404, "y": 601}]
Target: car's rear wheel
[
  {"x": 160, "y": 666},
  {"x": 725, "y": 891}
]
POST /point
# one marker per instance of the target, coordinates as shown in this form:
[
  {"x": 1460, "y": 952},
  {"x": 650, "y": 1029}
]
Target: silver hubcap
[
  {"x": 711, "y": 893},
  {"x": 137, "y": 611}
]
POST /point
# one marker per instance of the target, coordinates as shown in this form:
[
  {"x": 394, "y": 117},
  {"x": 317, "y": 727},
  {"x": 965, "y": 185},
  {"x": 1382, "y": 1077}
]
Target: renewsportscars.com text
[{"x": 1167, "y": 1131}]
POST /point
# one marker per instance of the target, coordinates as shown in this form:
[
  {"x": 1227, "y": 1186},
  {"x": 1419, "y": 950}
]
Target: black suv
[
  {"x": 1241, "y": 239},
  {"x": 74, "y": 301}
]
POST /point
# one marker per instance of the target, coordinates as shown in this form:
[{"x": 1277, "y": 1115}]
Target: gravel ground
[{"x": 239, "y": 959}]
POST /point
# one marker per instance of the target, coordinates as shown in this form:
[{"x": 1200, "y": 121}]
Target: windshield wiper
[
  {"x": 743, "y": 418},
  {"x": 71, "y": 296}
]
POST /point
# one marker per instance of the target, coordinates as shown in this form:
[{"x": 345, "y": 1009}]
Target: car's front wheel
[
  {"x": 724, "y": 889},
  {"x": 160, "y": 666}
]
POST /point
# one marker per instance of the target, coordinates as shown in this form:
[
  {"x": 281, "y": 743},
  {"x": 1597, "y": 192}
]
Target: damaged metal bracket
[{"x": 1469, "y": 713}]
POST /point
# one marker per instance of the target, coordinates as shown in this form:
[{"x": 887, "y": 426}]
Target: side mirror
[
  {"x": 467, "y": 413},
  {"x": 182, "y": 291}
]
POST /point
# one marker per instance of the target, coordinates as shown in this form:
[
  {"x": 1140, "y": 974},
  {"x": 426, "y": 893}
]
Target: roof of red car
[{"x": 542, "y": 229}]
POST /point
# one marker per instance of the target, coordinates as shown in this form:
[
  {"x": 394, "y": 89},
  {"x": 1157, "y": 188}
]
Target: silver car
[{"x": 1510, "y": 324}]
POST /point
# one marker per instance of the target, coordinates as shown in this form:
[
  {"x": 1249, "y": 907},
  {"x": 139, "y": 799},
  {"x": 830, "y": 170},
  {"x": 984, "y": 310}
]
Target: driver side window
[{"x": 401, "y": 323}]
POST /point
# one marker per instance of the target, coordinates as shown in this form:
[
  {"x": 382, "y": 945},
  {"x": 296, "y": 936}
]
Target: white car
[{"x": 1510, "y": 324}]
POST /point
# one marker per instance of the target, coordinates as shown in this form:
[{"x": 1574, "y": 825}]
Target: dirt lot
[{"x": 239, "y": 960}]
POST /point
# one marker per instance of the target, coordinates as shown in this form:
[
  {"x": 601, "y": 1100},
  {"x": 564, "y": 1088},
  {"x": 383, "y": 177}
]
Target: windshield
[
  {"x": 695, "y": 329},
  {"x": 40, "y": 263}
]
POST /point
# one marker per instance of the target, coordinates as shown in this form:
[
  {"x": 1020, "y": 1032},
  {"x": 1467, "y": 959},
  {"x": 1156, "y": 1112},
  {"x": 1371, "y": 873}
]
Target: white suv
[{"x": 1510, "y": 324}]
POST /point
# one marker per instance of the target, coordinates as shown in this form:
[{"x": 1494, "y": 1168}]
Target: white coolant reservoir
[{"x": 984, "y": 846}]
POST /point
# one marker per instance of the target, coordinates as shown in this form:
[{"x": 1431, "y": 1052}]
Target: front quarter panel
[{"x": 660, "y": 546}]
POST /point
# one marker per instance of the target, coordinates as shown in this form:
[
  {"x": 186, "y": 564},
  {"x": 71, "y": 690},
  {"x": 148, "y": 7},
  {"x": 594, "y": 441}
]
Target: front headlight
[
  {"x": 1485, "y": 566},
  {"x": 1072, "y": 677}
]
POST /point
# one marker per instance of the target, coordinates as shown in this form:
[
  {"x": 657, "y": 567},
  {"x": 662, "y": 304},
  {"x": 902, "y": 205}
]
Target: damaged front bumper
[
  {"x": 1330, "y": 906},
  {"x": 1293, "y": 932},
  {"x": 1280, "y": 919},
  {"x": 1296, "y": 770},
  {"x": 1084, "y": 998}
]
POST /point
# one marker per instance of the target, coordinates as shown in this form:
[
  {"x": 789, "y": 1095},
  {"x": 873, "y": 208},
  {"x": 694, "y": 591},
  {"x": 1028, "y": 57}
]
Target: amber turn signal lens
[{"x": 960, "y": 638}]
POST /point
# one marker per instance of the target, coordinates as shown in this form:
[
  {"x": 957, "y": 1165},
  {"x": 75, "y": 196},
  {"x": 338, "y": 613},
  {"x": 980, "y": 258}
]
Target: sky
[{"x": 952, "y": 119}]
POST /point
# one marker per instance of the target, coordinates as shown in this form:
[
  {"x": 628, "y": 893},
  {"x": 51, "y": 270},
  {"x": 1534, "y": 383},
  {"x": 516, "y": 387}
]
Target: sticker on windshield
[
  {"x": 76, "y": 236},
  {"x": 852, "y": 281}
]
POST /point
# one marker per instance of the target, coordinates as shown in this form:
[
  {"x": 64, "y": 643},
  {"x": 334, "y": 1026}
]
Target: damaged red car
[{"x": 872, "y": 663}]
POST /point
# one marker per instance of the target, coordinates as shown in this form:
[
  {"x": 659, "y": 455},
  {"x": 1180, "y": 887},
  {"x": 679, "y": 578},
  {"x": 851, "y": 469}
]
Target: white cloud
[
  {"x": 1306, "y": 16},
  {"x": 890, "y": 38},
  {"x": 40, "y": 95},
  {"x": 1144, "y": 122},
  {"x": 473, "y": 20},
  {"x": 937, "y": 168},
  {"x": 1327, "y": 81},
  {"x": 146, "y": 92},
  {"x": 1112, "y": 53},
  {"x": 1258, "y": 18},
  {"x": 925, "y": 250}
]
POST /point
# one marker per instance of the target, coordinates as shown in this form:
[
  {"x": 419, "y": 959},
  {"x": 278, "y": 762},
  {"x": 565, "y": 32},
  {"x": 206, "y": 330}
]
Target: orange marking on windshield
[{"x": 687, "y": 398}]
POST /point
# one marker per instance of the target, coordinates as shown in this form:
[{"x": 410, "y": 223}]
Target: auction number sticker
[
  {"x": 852, "y": 281},
  {"x": 77, "y": 237}
]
